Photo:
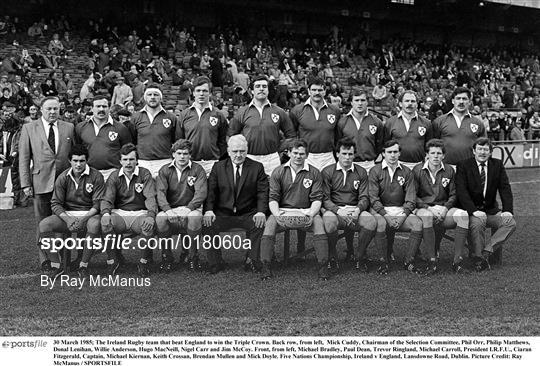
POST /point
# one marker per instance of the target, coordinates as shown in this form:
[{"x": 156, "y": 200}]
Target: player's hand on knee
[
  {"x": 147, "y": 224},
  {"x": 310, "y": 221},
  {"x": 506, "y": 217},
  {"x": 209, "y": 218},
  {"x": 260, "y": 220},
  {"x": 171, "y": 216},
  {"x": 481, "y": 215}
]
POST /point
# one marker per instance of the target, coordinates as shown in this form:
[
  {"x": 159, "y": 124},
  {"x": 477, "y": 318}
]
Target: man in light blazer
[
  {"x": 43, "y": 154},
  {"x": 478, "y": 180}
]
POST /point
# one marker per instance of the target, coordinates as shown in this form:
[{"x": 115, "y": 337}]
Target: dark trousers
[{"x": 226, "y": 223}]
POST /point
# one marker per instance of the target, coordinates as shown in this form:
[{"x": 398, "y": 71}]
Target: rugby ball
[{"x": 293, "y": 220}]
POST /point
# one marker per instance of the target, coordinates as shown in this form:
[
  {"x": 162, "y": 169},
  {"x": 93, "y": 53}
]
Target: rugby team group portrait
[
  {"x": 198, "y": 174},
  {"x": 363, "y": 151}
]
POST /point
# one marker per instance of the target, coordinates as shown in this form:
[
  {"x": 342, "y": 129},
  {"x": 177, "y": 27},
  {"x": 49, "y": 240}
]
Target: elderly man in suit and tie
[
  {"x": 46, "y": 144},
  {"x": 478, "y": 180},
  {"x": 237, "y": 198}
]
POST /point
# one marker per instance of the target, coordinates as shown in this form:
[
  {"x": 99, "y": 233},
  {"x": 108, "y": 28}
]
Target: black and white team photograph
[{"x": 342, "y": 175}]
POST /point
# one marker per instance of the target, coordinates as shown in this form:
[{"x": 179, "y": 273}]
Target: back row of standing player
[{"x": 265, "y": 126}]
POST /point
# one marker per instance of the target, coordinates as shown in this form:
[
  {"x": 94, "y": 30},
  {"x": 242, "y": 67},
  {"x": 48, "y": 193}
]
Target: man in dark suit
[
  {"x": 47, "y": 143},
  {"x": 237, "y": 198},
  {"x": 478, "y": 180}
]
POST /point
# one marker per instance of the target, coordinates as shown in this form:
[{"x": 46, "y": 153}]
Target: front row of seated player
[{"x": 238, "y": 194}]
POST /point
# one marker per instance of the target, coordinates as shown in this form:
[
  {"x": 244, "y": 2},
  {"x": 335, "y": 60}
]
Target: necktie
[
  {"x": 483, "y": 176},
  {"x": 50, "y": 139},
  {"x": 237, "y": 179}
]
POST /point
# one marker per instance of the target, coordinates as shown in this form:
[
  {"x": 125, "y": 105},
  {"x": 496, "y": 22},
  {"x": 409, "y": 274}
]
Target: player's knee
[
  {"x": 194, "y": 222},
  {"x": 426, "y": 216},
  {"x": 368, "y": 222},
  {"x": 44, "y": 226},
  {"x": 381, "y": 223},
  {"x": 270, "y": 227},
  {"x": 476, "y": 223},
  {"x": 162, "y": 222},
  {"x": 416, "y": 223},
  {"x": 330, "y": 222},
  {"x": 318, "y": 226},
  {"x": 461, "y": 217},
  {"x": 93, "y": 225}
]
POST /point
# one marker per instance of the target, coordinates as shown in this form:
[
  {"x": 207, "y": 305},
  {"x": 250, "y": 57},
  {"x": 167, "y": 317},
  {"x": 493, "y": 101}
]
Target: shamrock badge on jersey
[
  {"x": 113, "y": 135},
  {"x": 331, "y": 118},
  {"x": 139, "y": 187},
  {"x": 356, "y": 183},
  {"x": 191, "y": 181},
  {"x": 400, "y": 180},
  {"x": 213, "y": 121},
  {"x": 89, "y": 187},
  {"x": 166, "y": 122},
  {"x": 445, "y": 182},
  {"x": 372, "y": 129},
  {"x": 474, "y": 127},
  {"x": 275, "y": 118},
  {"x": 308, "y": 182},
  {"x": 421, "y": 131}
]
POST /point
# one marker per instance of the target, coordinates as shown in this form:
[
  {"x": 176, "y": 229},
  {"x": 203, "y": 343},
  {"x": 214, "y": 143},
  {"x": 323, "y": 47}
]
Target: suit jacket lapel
[
  {"x": 42, "y": 134},
  {"x": 490, "y": 175},
  {"x": 476, "y": 172},
  {"x": 229, "y": 171},
  {"x": 243, "y": 175}
]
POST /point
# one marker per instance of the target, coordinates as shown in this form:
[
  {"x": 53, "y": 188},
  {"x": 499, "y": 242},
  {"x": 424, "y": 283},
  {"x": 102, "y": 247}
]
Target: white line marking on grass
[
  {"x": 19, "y": 276},
  {"x": 526, "y": 182}
]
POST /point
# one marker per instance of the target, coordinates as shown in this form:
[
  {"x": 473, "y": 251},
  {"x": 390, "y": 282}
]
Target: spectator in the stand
[
  {"x": 64, "y": 85},
  {"x": 534, "y": 125},
  {"x": 7, "y": 97},
  {"x": 379, "y": 93},
  {"x": 122, "y": 93},
  {"x": 217, "y": 72},
  {"x": 35, "y": 31},
  {"x": 33, "y": 114},
  {"x": 68, "y": 43},
  {"x": 517, "y": 133},
  {"x": 439, "y": 105},
  {"x": 146, "y": 55},
  {"x": 494, "y": 128},
  {"x": 48, "y": 88},
  {"x": 137, "y": 89},
  {"x": 195, "y": 63},
  {"x": 242, "y": 79},
  {"x": 55, "y": 46}
]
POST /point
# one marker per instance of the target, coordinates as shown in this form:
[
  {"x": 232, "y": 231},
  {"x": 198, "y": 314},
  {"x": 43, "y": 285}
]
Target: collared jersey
[
  {"x": 412, "y": 142},
  {"x": 441, "y": 192},
  {"x": 262, "y": 133},
  {"x": 153, "y": 140},
  {"x": 318, "y": 132},
  {"x": 103, "y": 148},
  {"x": 369, "y": 138},
  {"x": 207, "y": 133},
  {"x": 140, "y": 194},
  {"x": 458, "y": 141},
  {"x": 386, "y": 191},
  {"x": 300, "y": 193},
  {"x": 351, "y": 191},
  {"x": 190, "y": 191},
  {"x": 81, "y": 196}
]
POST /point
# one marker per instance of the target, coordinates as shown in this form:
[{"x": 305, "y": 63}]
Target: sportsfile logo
[{"x": 24, "y": 344}]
